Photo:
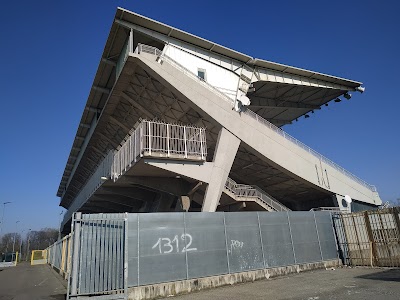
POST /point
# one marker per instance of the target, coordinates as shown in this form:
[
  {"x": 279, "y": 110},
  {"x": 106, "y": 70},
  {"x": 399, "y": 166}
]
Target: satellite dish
[
  {"x": 348, "y": 199},
  {"x": 245, "y": 100}
]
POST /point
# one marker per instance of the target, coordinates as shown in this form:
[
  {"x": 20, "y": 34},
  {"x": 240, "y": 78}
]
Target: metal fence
[
  {"x": 59, "y": 255},
  {"x": 369, "y": 238},
  {"x": 112, "y": 252}
]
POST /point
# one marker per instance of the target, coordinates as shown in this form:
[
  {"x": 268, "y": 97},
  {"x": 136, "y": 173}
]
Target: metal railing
[
  {"x": 159, "y": 139},
  {"x": 243, "y": 191},
  {"x": 147, "y": 49},
  {"x": 149, "y": 139},
  {"x": 255, "y": 116}
]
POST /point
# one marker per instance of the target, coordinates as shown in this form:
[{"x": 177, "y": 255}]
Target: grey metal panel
[
  {"x": 160, "y": 248},
  {"x": 132, "y": 249},
  {"x": 278, "y": 249},
  {"x": 307, "y": 252},
  {"x": 162, "y": 268},
  {"x": 244, "y": 243},
  {"x": 328, "y": 249},
  {"x": 305, "y": 239},
  {"x": 278, "y": 255},
  {"x": 326, "y": 235},
  {"x": 206, "y": 254}
]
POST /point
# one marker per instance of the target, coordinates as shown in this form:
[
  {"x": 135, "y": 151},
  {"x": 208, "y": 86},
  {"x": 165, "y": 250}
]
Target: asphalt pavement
[
  {"x": 334, "y": 284},
  {"x": 25, "y": 282}
]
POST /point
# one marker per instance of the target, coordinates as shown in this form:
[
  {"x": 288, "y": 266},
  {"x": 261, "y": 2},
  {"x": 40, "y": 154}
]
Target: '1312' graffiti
[{"x": 166, "y": 245}]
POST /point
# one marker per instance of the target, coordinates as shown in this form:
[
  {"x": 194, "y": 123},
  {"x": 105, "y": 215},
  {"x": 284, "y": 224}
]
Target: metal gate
[
  {"x": 99, "y": 257},
  {"x": 370, "y": 238}
]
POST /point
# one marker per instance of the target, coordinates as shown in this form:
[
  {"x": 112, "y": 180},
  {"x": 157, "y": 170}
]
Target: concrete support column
[{"x": 224, "y": 155}]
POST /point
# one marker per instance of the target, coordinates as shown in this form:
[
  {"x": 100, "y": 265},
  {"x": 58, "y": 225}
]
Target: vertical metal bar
[
  {"x": 261, "y": 239},
  {"x": 291, "y": 237},
  {"x": 335, "y": 236},
  {"x": 105, "y": 253},
  {"x": 202, "y": 137},
  {"x": 101, "y": 256},
  {"x": 92, "y": 257},
  {"x": 141, "y": 139},
  {"x": 126, "y": 266},
  {"x": 135, "y": 144},
  {"x": 114, "y": 255},
  {"x": 226, "y": 244},
  {"x": 358, "y": 240},
  {"x": 373, "y": 253},
  {"x": 168, "y": 140},
  {"x": 184, "y": 140},
  {"x": 319, "y": 242},
  {"x": 73, "y": 278},
  {"x": 138, "y": 251},
  {"x": 347, "y": 238},
  {"x": 150, "y": 142}
]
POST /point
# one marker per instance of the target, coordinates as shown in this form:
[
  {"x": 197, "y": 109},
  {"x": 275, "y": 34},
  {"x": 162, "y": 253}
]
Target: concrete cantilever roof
[
  {"x": 105, "y": 77},
  {"x": 134, "y": 18}
]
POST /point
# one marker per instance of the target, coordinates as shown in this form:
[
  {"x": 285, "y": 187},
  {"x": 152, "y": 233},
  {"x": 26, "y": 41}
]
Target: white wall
[{"x": 219, "y": 70}]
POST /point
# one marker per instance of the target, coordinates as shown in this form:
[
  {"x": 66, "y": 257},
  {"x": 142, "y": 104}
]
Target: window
[{"x": 201, "y": 73}]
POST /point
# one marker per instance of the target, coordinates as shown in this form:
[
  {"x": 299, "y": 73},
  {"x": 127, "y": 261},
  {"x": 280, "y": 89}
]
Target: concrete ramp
[{"x": 264, "y": 140}]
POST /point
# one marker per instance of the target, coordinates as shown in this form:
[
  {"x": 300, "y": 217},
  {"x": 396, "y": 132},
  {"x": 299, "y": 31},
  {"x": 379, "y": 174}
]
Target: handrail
[
  {"x": 248, "y": 191},
  {"x": 149, "y": 139},
  {"x": 257, "y": 117}
]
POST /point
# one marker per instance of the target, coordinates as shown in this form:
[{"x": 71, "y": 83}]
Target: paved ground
[
  {"x": 339, "y": 284},
  {"x": 25, "y": 282},
  {"x": 41, "y": 282}
]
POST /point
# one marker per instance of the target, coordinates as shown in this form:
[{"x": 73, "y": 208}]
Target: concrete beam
[
  {"x": 130, "y": 192},
  {"x": 174, "y": 186},
  {"x": 196, "y": 170},
  {"x": 137, "y": 105},
  {"x": 101, "y": 89},
  {"x": 109, "y": 62},
  {"x": 116, "y": 122},
  {"x": 224, "y": 155}
]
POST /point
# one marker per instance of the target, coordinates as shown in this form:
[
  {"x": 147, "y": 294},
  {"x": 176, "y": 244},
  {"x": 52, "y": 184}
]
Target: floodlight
[
  {"x": 337, "y": 100},
  {"x": 360, "y": 89},
  {"x": 347, "y": 96},
  {"x": 306, "y": 116}
]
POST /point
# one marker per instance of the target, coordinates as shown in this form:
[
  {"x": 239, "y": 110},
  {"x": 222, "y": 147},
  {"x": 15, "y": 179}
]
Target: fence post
[
  {"x": 226, "y": 243},
  {"x": 73, "y": 277},
  {"x": 261, "y": 239},
  {"x": 373, "y": 252}
]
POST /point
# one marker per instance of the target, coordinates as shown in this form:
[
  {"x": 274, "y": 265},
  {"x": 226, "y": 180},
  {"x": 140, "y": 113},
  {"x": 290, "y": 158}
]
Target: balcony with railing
[{"x": 154, "y": 139}]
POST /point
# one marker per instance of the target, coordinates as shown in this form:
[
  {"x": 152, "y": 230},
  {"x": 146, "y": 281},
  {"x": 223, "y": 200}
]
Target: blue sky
[{"x": 50, "y": 51}]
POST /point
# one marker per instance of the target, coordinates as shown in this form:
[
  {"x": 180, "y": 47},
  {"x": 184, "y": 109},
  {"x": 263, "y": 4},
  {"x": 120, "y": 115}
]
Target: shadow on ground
[{"x": 386, "y": 275}]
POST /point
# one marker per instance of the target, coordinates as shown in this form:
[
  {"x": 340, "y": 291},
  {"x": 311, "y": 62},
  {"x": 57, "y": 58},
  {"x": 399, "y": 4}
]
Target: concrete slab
[
  {"x": 335, "y": 284},
  {"x": 25, "y": 282}
]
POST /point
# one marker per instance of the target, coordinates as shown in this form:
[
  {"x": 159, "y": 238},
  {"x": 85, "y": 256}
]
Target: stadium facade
[{"x": 174, "y": 122}]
